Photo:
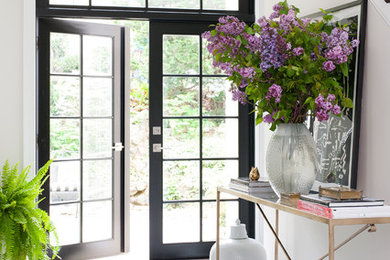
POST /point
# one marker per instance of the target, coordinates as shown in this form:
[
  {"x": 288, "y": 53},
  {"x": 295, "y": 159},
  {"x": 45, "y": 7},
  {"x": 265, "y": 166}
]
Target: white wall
[
  {"x": 307, "y": 240},
  {"x": 11, "y": 76}
]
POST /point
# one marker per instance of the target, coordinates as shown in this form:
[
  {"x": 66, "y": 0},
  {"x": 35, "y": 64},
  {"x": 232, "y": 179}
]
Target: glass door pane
[
  {"x": 89, "y": 130},
  {"x": 83, "y": 125},
  {"x": 200, "y": 136}
]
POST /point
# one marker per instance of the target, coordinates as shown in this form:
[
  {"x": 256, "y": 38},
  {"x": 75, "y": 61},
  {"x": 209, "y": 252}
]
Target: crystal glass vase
[{"x": 291, "y": 159}]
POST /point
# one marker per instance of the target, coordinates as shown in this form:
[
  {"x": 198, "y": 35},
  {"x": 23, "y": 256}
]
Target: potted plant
[
  {"x": 288, "y": 68},
  {"x": 24, "y": 228}
]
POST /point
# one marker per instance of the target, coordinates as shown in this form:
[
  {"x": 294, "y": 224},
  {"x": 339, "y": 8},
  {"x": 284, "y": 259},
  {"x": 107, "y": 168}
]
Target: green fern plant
[{"x": 24, "y": 228}]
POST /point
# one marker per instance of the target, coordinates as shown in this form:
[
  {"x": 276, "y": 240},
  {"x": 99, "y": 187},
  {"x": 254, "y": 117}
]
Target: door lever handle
[
  {"x": 118, "y": 147},
  {"x": 157, "y": 148}
]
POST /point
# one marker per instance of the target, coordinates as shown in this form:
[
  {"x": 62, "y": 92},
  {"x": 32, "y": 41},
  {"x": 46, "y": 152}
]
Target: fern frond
[{"x": 24, "y": 228}]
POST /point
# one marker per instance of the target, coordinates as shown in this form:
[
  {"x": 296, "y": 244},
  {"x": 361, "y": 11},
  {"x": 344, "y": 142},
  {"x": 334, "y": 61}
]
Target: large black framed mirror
[{"x": 337, "y": 139}]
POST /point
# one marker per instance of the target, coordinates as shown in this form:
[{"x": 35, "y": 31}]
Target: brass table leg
[
  {"x": 277, "y": 233},
  {"x": 274, "y": 232},
  {"x": 370, "y": 227},
  {"x": 218, "y": 216},
  {"x": 331, "y": 240}
]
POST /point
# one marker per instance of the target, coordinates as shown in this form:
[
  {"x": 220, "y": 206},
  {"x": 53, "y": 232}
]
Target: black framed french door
[
  {"x": 83, "y": 128},
  {"x": 199, "y": 139}
]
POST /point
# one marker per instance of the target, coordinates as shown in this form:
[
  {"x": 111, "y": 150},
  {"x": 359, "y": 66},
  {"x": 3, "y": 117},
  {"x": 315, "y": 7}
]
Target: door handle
[
  {"x": 157, "y": 148},
  {"x": 118, "y": 147}
]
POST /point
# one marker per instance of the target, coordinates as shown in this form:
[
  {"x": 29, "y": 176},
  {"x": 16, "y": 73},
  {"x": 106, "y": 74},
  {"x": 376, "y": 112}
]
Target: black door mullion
[
  {"x": 81, "y": 135},
  {"x": 201, "y": 136}
]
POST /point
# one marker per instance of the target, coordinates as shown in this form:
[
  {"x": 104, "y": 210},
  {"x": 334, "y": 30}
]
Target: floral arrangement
[{"x": 287, "y": 67}]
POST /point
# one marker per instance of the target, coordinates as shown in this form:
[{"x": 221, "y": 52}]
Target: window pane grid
[
  {"x": 79, "y": 201},
  {"x": 202, "y": 117},
  {"x": 203, "y": 5},
  {"x": 81, "y": 159}
]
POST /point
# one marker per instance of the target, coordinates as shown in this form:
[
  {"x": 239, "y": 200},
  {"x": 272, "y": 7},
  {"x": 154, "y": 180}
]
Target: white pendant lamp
[{"x": 239, "y": 246}]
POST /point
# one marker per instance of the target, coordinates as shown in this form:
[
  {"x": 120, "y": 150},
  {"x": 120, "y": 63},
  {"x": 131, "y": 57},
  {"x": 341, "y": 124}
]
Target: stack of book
[
  {"x": 259, "y": 187},
  {"x": 346, "y": 208},
  {"x": 290, "y": 198}
]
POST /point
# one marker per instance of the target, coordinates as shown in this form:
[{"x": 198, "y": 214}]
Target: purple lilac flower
[
  {"x": 277, "y": 7},
  {"x": 328, "y": 66},
  {"x": 230, "y": 25},
  {"x": 337, "y": 47},
  {"x": 298, "y": 51},
  {"x": 272, "y": 49},
  {"x": 355, "y": 43},
  {"x": 306, "y": 21},
  {"x": 322, "y": 115},
  {"x": 268, "y": 118},
  {"x": 336, "y": 109},
  {"x": 287, "y": 20},
  {"x": 226, "y": 67},
  {"x": 313, "y": 56},
  {"x": 274, "y": 15},
  {"x": 336, "y": 54},
  {"x": 262, "y": 21},
  {"x": 327, "y": 105},
  {"x": 274, "y": 91},
  {"x": 319, "y": 100},
  {"x": 238, "y": 95},
  {"x": 244, "y": 83},
  {"x": 246, "y": 72},
  {"x": 331, "y": 97},
  {"x": 254, "y": 42}
]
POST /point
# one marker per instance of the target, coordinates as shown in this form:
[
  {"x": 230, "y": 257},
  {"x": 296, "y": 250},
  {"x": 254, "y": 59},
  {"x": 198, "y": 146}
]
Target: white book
[{"x": 361, "y": 212}]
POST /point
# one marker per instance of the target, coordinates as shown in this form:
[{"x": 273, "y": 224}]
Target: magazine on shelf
[
  {"x": 333, "y": 203},
  {"x": 247, "y": 182},
  {"x": 344, "y": 212}
]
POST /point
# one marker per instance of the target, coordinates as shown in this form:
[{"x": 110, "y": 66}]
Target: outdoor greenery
[
  {"x": 181, "y": 98},
  {"x": 24, "y": 228}
]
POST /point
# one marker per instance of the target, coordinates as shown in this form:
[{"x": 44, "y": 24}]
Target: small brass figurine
[{"x": 254, "y": 174}]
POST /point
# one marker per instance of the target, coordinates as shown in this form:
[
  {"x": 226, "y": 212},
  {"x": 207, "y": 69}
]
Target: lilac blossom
[
  {"x": 230, "y": 25},
  {"x": 328, "y": 66},
  {"x": 244, "y": 83},
  {"x": 275, "y": 91},
  {"x": 239, "y": 96},
  {"x": 336, "y": 109},
  {"x": 354, "y": 43},
  {"x": 326, "y": 106},
  {"x": 331, "y": 97},
  {"x": 240, "y": 51},
  {"x": 313, "y": 56},
  {"x": 298, "y": 51},
  {"x": 286, "y": 20},
  {"x": 268, "y": 118},
  {"x": 337, "y": 47},
  {"x": 254, "y": 42},
  {"x": 322, "y": 115},
  {"x": 277, "y": 7},
  {"x": 319, "y": 100}
]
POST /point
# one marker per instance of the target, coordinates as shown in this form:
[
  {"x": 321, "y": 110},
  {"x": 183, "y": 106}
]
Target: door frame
[
  {"x": 158, "y": 250},
  {"x": 120, "y": 219}
]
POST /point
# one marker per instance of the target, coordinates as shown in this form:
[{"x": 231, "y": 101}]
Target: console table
[{"x": 369, "y": 223}]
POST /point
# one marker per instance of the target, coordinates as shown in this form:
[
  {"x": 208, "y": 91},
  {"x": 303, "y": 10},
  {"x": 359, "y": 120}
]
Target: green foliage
[
  {"x": 24, "y": 228},
  {"x": 303, "y": 73}
]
